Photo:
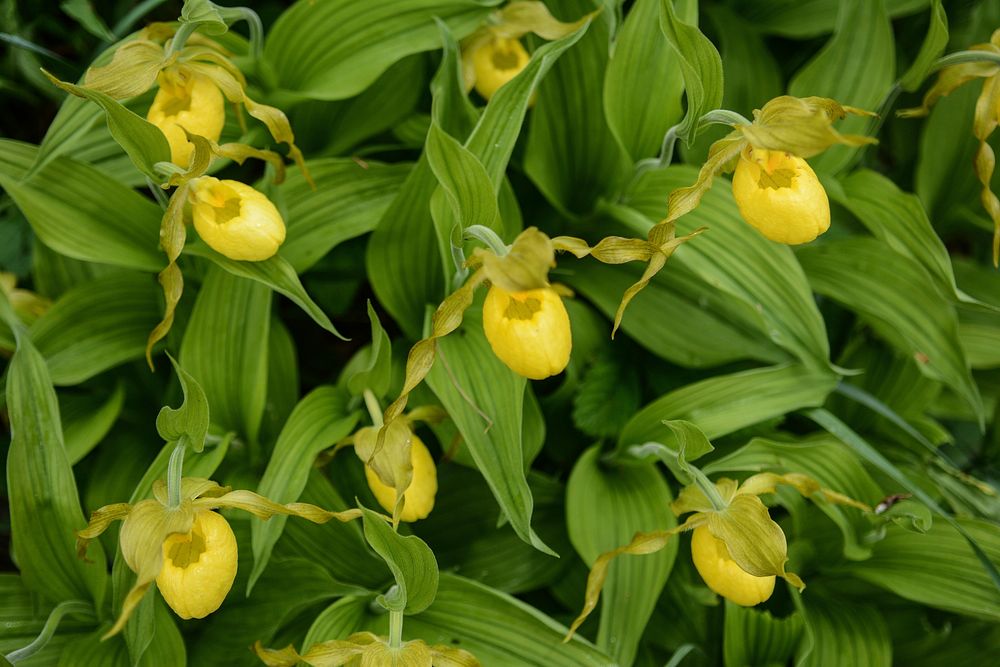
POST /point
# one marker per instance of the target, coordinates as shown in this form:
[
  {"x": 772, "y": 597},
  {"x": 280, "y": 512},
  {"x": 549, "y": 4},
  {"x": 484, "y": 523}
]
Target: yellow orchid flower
[
  {"x": 188, "y": 549},
  {"x": 363, "y": 649},
  {"x": 235, "y": 219},
  {"x": 528, "y": 330},
  {"x": 187, "y": 102},
  {"x": 418, "y": 497},
  {"x": 723, "y": 574},
  {"x": 985, "y": 120}
]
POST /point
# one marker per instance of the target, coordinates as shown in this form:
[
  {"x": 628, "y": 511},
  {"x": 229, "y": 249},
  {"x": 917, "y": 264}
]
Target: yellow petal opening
[
  {"x": 496, "y": 63},
  {"x": 721, "y": 573},
  {"x": 198, "y": 567},
  {"x": 187, "y": 101},
  {"x": 779, "y": 194},
  {"x": 236, "y": 220},
  {"x": 418, "y": 501},
  {"x": 529, "y": 331}
]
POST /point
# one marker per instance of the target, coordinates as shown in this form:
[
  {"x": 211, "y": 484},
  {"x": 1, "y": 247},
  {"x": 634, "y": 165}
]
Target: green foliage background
[{"x": 869, "y": 359}]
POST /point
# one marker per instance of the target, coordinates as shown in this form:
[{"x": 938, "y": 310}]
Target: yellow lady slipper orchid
[
  {"x": 529, "y": 330},
  {"x": 778, "y": 194},
  {"x": 199, "y": 567},
  {"x": 187, "y": 101},
  {"x": 722, "y": 574},
  {"x": 235, "y": 219},
  {"x": 497, "y": 62},
  {"x": 418, "y": 500},
  {"x": 366, "y": 648}
]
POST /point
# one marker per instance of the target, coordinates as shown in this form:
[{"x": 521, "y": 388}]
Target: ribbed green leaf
[
  {"x": 464, "y": 180},
  {"x": 79, "y": 212},
  {"x": 571, "y": 154},
  {"x": 348, "y": 201},
  {"x": 275, "y": 273},
  {"x": 800, "y": 19},
  {"x": 376, "y": 374},
  {"x": 937, "y": 568},
  {"x": 87, "y": 418},
  {"x": 24, "y": 617},
  {"x": 605, "y": 506},
  {"x": 339, "y": 621},
  {"x": 333, "y": 50},
  {"x": 411, "y": 562},
  {"x": 934, "y": 44},
  {"x": 42, "y": 494},
  {"x": 485, "y": 399},
  {"x": 839, "y": 633},
  {"x": 225, "y": 346},
  {"x": 753, "y": 637},
  {"x": 752, "y": 74},
  {"x": 643, "y": 83},
  {"x": 317, "y": 423},
  {"x": 727, "y": 403},
  {"x": 896, "y": 296},
  {"x": 190, "y": 420},
  {"x": 734, "y": 258},
  {"x": 607, "y": 394},
  {"x": 856, "y": 67},
  {"x": 97, "y": 326}
]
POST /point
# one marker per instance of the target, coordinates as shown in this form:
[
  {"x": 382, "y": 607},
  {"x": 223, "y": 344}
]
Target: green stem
[
  {"x": 962, "y": 57},
  {"x": 707, "y": 487},
  {"x": 175, "y": 470},
  {"x": 488, "y": 237},
  {"x": 75, "y": 607},
  {"x": 184, "y": 31},
  {"x": 374, "y": 409},
  {"x": 395, "y": 629},
  {"x": 232, "y": 14}
]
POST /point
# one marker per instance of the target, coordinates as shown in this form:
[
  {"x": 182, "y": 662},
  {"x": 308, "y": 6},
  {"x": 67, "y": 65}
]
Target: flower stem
[
  {"x": 175, "y": 470},
  {"x": 374, "y": 409},
  {"x": 68, "y": 607},
  {"x": 488, "y": 237},
  {"x": 395, "y": 629}
]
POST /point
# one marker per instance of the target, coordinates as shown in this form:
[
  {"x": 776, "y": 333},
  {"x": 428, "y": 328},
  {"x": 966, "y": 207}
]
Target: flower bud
[
  {"x": 187, "y": 101},
  {"x": 235, "y": 219},
  {"x": 529, "y": 331},
  {"x": 721, "y": 573},
  {"x": 779, "y": 194},
  {"x": 419, "y": 496},
  {"x": 199, "y": 567},
  {"x": 497, "y": 62}
]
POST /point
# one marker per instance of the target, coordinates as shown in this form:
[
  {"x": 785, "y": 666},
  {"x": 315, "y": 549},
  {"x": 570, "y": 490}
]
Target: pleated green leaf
[
  {"x": 42, "y": 493},
  {"x": 25, "y": 616},
  {"x": 734, "y": 258},
  {"x": 317, "y": 423},
  {"x": 752, "y": 74},
  {"x": 896, "y": 296},
  {"x": 79, "y": 212},
  {"x": 275, "y": 273},
  {"x": 333, "y": 50},
  {"x": 377, "y": 371},
  {"x": 485, "y": 399},
  {"x": 937, "y": 568},
  {"x": 338, "y": 621},
  {"x": 498, "y": 629},
  {"x": 464, "y": 180},
  {"x": 605, "y": 506},
  {"x": 800, "y": 19},
  {"x": 643, "y": 83},
  {"x": 934, "y": 44},
  {"x": 725, "y": 403},
  {"x": 348, "y": 201},
  {"x": 87, "y": 418},
  {"x": 571, "y": 154},
  {"x": 97, "y": 326},
  {"x": 727, "y": 327},
  {"x": 840, "y": 633},
  {"x": 412, "y": 564},
  {"x": 753, "y": 637},
  {"x": 225, "y": 346},
  {"x": 856, "y": 67}
]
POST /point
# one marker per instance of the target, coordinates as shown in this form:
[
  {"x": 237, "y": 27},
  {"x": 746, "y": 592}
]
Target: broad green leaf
[
  {"x": 896, "y": 296},
  {"x": 605, "y": 506},
  {"x": 462, "y": 530},
  {"x": 979, "y": 334},
  {"x": 412, "y": 564},
  {"x": 340, "y": 620},
  {"x": 87, "y": 418},
  {"x": 144, "y": 142},
  {"x": 282, "y": 380},
  {"x": 753, "y": 637},
  {"x": 839, "y": 633},
  {"x": 69, "y": 206},
  {"x": 801, "y": 19},
  {"x": 734, "y": 258},
  {"x": 275, "y": 273},
  {"x": 643, "y": 83},
  {"x": 701, "y": 68},
  {"x": 333, "y": 50},
  {"x": 937, "y": 568},
  {"x": 726, "y": 403},
  {"x": 607, "y": 394},
  {"x": 348, "y": 201},
  {"x": 96, "y": 326},
  {"x": 83, "y": 11},
  {"x": 856, "y": 67},
  {"x": 225, "y": 346},
  {"x": 318, "y": 422},
  {"x": 54, "y": 274},
  {"x": 571, "y": 154},
  {"x": 934, "y": 44},
  {"x": 377, "y": 372},
  {"x": 191, "y": 419},
  {"x": 498, "y": 629},
  {"x": 42, "y": 494},
  {"x": 485, "y": 399},
  {"x": 25, "y": 617},
  {"x": 752, "y": 74},
  {"x": 728, "y": 329}
]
